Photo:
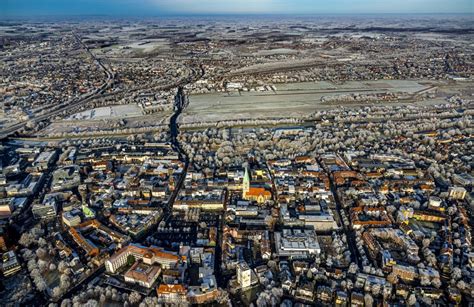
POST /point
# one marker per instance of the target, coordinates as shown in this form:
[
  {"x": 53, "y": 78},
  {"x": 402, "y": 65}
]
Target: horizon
[
  {"x": 58, "y": 17},
  {"x": 163, "y": 8}
]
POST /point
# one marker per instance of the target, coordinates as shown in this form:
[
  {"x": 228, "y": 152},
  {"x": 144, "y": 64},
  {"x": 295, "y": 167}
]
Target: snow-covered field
[
  {"x": 289, "y": 100},
  {"x": 118, "y": 111}
]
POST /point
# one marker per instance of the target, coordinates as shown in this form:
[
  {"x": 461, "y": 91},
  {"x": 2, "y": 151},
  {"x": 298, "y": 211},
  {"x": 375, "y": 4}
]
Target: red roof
[{"x": 258, "y": 191}]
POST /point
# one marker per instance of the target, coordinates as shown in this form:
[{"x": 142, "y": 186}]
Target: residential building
[{"x": 171, "y": 294}]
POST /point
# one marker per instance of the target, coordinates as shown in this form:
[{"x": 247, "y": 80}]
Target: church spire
[{"x": 246, "y": 182}]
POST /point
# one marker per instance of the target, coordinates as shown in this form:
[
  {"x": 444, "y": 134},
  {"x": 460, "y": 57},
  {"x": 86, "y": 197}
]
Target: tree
[
  {"x": 376, "y": 289},
  {"x": 27, "y": 254},
  {"x": 32, "y": 265},
  {"x": 387, "y": 292},
  {"x": 66, "y": 303},
  {"x": 392, "y": 278},
  {"x": 102, "y": 298},
  {"x": 26, "y": 239},
  {"x": 57, "y": 292},
  {"x": 369, "y": 300},
  {"x": 42, "y": 265},
  {"x": 62, "y": 266},
  {"x": 425, "y": 281},
  {"x": 352, "y": 268},
  {"x": 41, "y": 253},
  {"x": 426, "y": 242},
  {"x": 130, "y": 260},
  {"x": 134, "y": 298},
  {"x": 40, "y": 283},
  {"x": 42, "y": 242},
  {"x": 456, "y": 273},
  {"x": 64, "y": 282},
  {"x": 461, "y": 285},
  {"x": 264, "y": 299},
  {"x": 411, "y": 299},
  {"x": 277, "y": 292},
  {"x": 52, "y": 267},
  {"x": 92, "y": 303}
]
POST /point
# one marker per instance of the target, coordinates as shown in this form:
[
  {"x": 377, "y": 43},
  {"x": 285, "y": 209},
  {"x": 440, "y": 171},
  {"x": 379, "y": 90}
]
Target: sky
[{"x": 177, "y": 7}]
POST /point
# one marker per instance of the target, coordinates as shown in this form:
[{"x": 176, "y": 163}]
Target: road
[
  {"x": 181, "y": 102},
  {"x": 351, "y": 241}
]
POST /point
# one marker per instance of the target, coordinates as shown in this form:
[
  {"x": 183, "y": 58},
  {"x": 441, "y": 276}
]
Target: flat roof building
[{"x": 297, "y": 243}]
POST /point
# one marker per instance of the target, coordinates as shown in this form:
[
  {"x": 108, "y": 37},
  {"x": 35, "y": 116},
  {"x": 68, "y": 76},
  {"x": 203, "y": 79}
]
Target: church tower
[{"x": 246, "y": 182}]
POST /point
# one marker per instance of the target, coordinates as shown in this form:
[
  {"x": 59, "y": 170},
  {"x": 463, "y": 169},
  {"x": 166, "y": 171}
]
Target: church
[{"x": 254, "y": 193}]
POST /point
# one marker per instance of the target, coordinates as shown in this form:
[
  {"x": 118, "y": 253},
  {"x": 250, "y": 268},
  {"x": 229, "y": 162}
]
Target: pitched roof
[
  {"x": 253, "y": 191},
  {"x": 165, "y": 289}
]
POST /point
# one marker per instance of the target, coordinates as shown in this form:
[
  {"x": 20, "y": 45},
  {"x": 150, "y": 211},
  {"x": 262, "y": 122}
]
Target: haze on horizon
[{"x": 169, "y": 7}]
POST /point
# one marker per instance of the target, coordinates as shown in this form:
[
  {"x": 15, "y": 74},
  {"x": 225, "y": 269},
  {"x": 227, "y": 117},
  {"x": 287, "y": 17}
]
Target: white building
[
  {"x": 71, "y": 219},
  {"x": 149, "y": 255},
  {"x": 457, "y": 193},
  {"x": 244, "y": 275}
]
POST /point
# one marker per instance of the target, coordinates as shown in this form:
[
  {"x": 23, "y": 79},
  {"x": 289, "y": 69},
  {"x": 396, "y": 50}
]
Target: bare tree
[
  {"x": 411, "y": 300},
  {"x": 41, "y": 253},
  {"x": 369, "y": 300},
  {"x": 134, "y": 298},
  {"x": 26, "y": 239}
]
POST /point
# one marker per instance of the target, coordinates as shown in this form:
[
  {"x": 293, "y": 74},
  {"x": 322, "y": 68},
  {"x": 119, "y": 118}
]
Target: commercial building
[
  {"x": 457, "y": 193},
  {"x": 72, "y": 218},
  {"x": 200, "y": 198},
  {"x": 244, "y": 275},
  {"x": 296, "y": 243},
  {"x": 10, "y": 264},
  {"x": 46, "y": 210}
]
